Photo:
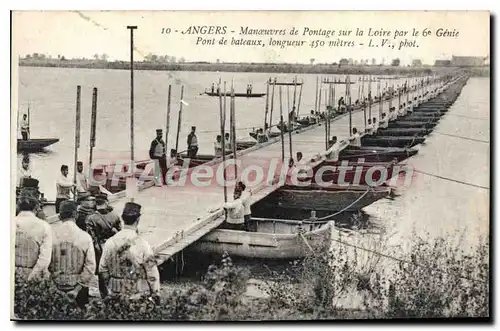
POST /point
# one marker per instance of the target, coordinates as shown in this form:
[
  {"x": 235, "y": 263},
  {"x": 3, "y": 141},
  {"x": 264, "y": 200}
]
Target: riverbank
[{"x": 330, "y": 69}]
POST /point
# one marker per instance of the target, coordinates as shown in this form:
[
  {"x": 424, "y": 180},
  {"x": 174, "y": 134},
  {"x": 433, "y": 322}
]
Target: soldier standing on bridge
[
  {"x": 192, "y": 143},
  {"x": 157, "y": 153},
  {"x": 25, "y": 127},
  {"x": 127, "y": 263}
]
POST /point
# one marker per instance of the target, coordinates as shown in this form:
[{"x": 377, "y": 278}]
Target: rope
[
  {"x": 452, "y": 180},
  {"x": 404, "y": 261},
  {"x": 466, "y": 138},
  {"x": 471, "y": 118},
  {"x": 343, "y": 210}
]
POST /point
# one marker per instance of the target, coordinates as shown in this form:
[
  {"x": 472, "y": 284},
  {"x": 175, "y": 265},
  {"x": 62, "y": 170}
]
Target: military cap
[
  {"x": 159, "y": 130},
  {"x": 30, "y": 182},
  {"x": 79, "y": 163},
  {"x": 67, "y": 206},
  {"x": 101, "y": 198},
  {"x": 193, "y": 128},
  {"x": 131, "y": 209},
  {"x": 83, "y": 196}
]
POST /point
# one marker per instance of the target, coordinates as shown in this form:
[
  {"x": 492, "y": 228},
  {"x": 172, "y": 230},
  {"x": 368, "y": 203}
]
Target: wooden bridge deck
[{"x": 173, "y": 217}]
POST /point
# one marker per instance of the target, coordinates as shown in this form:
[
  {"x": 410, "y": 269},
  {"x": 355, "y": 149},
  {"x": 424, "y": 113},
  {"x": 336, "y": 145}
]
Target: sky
[{"x": 83, "y": 34}]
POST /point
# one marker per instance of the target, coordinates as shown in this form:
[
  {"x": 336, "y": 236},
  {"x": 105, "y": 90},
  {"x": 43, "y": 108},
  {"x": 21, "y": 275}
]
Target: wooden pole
[
  {"x": 77, "y": 134},
  {"x": 300, "y": 99},
  {"x": 93, "y": 123},
  {"x": 282, "y": 127},
  {"x": 179, "y": 120},
  {"x": 316, "y": 95},
  {"x": 380, "y": 100},
  {"x": 363, "y": 99},
  {"x": 267, "y": 103},
  {"x": 290, "y": 122},
  {"x": 272, "y": 106},
  {"x": 348, "y": 99},
  {"x": 233, "y": 127},
  {"x": 222, "y": 122},
  {"x": 29, "y": 121},
  {"x": 132, "y": 28},
  {"x": 288, "y": 98},
  {"x": 167, "y": 129},
  {"x": 370, "y": 97}
]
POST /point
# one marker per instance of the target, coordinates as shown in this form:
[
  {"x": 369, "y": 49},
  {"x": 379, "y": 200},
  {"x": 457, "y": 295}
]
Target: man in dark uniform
[
  {"x": 30, "y": 187},
  {"x": 157, "y": 153},
  {"x": 102, "y": 225},
  {"x": 86, "y": 207},
  {"x": 192, "y": 143}
]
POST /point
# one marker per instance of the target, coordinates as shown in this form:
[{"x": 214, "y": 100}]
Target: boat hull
[
  {"x": 251, "y": 95},
  {"x": 351, "y": 198},
  {"x": 416, "y": 123},
  {"x": 402, "y": 132},
  {"x": 354, "y": 173},
  {"x": 376, "y": 154},
  {"x": 35, "y": 144},
  {"x": 392, "y": 141},
  {"x": 283, "y": 243}
]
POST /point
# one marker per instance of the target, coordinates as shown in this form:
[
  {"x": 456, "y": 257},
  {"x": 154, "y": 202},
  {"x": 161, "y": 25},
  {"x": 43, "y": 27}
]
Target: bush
[{"x": 440, "y": 281}]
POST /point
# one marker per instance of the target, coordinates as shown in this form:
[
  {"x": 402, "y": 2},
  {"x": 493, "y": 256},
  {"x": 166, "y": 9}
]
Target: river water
[
  {"x": 51, "y": 93},
  {"x": 429, "y": 207}
]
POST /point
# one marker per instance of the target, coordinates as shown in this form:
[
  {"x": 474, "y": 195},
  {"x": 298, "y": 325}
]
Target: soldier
[
  {"x": 82, "y": 183},
  {"x": 63, "y": 187},
  {"x": 30, "y": 186},
  {"x": 192, "y": 143},
  {"x": 24, "y": 172},
  {"x": 73, "y": 259},
  {"x": 33, "y": 245},
  {"x": 157, "y": 153},
  {"x": 85, "y": 209},
  {"x": 102, "y": 225},
  {"x": 25, "y": 127},
  {"x": 127, "y": 263}
]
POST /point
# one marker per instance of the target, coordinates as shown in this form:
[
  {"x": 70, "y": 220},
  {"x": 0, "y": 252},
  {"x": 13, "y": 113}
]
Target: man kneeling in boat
[
  {"x": 235, "y": 213},
  {"x": 383, "y": 122},
  {"x": 375, "y": 125},
  {"x": 369, "y": 127},
  {"x": 218, "y": 146},
  {"x": 333, "y": 151},
  {"x": 246, "y": 195},
  {"x": 355, "y": 139}
]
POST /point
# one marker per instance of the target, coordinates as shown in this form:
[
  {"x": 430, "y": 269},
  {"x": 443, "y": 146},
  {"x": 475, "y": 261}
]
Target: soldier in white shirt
[
  {"x": 128, "y": 264},
  {"x": 33, "y": 243},
  {"x": 383, "y": 122},
  {"x": 246, "y": 196},
  {"x": 73, "y": 259},
  {"x": 218, "y": 146},
  {"x": 63, "y": 187},
  {"x": 235, "y": 213},
  {"x": 24, "y": 172},
  {"x": 369, "y": 127},
  {"x": 355, "y": 138},
  {"x": 82, "y": 184},
  {"x": 25, "y": 127},
  {"x": 332, "y": 153}
]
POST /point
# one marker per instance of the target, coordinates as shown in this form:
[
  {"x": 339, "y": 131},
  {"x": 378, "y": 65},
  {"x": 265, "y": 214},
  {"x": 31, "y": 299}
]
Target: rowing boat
[
  {"x": 412, "y": 124},
  {"x": 392, "y": 141},
  {"x": 332, "y": 198},
  {"x": 239, "y": 95},
  {"x": 354, "y": 173},
  {"x": 402, "y": 132},
  {"x": 273, "y": 239},
  {"x": 376, "y": 153},
  {"x": 34, "y": 144}
]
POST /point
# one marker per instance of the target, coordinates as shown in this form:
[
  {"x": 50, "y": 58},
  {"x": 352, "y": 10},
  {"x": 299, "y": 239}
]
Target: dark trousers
[
  {"x": 58, "y": 204},
  {"x": 232, "y": 226},
  {"x": 162, "y": 162},
  {"x": 249, "y": 225},
  {"x": 192, "y": 151},
  {"x": 25, "y": 135}
]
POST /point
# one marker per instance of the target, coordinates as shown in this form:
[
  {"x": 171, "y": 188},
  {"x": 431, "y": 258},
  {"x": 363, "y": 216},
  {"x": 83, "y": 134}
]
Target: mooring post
[
  {"x": 167, "y": 129},
  {"x": 77, "y": 135},
  {"x": 93, "y": 123},
  {"x": 282, "y": 127},
  {"x": 223, "y": 141},
  {"x": 132, "y": 28}
]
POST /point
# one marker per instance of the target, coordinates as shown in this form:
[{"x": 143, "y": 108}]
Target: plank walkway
[{"x": 173, "y": 217}]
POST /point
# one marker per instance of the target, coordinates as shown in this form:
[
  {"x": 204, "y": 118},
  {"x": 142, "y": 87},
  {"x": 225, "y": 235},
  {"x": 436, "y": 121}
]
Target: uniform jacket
[
  {"x": 101, "y": 226},
  {"x": 128, "y": 265},
  {"x": 33, "y": 246},
  {"x": 73, "y": 259},
  {"x": 152, "y": 148}
]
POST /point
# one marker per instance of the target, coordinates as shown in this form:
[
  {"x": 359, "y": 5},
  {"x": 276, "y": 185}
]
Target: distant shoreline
[{"x": 330, "y": 69}]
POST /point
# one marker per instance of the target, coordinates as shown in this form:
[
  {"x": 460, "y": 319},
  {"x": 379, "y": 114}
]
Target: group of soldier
[{"x": 87, "y": 249}]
